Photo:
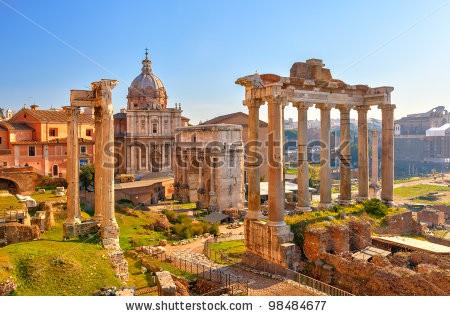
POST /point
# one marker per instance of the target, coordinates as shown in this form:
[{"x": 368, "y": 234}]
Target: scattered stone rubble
[
  {"x": 113, "y": 291},
  {"x": 7, "y": 287}
]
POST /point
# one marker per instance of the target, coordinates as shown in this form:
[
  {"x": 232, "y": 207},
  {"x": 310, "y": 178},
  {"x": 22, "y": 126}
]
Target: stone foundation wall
[
  {"x": 16, "y": 232},
  {"x": 387, "y": 277},
  {"x": 166, "y": 285},
  {"x": 337, "y": 239},
  {"x": 400, "y": 224},
  {"x": 436, "y": 218},
  {"x": 82, "y": 229},
  {"x": 270, "y": 243}
]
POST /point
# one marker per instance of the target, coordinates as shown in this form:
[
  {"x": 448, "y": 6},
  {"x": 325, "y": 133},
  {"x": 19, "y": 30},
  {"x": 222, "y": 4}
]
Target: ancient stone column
[
  {"x": 253, "y": 165},
  {"x": 363, "y": 153},
  {"x": 303, "y": 196},
  {"x": 276, "y": 162},
  {"x": 212, "y": 207},
  {"x": 110, "y": 229},
  {"x": 344, "y": 155},
  {"x": 387, "y": 153},
  {"x": 98, "y": 196},
  {"x": 374, "y": 180},
  {"x": 325, "y": 167},
  {"x": 73, "y": 167}
]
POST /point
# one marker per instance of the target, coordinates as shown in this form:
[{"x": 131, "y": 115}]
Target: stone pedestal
[{"x": 269, "y": 243}]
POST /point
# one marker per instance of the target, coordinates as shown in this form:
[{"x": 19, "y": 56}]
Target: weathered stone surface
[
  {"x": 80, "y": 229},
  {"x": 49, "y": 222},
  {"x": 340, "y": 239},
  {"x": 360, "y": 234},
  {"x": 7, "y": 287},
  {"x": 315, "y": 243},
  {"x": 120, "y": 265},
  {"x": 272, "y": 243},
  {"x": 431, "y": 217},
  {"x": 16, "y": 232},
  {"x": 166, "y": 285},
  {"x": 399, "y": 224}
]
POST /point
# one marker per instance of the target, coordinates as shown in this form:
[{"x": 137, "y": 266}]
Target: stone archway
[{"x": 9, "y": 185}]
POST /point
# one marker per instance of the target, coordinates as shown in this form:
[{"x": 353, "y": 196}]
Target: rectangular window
[
  {"x": 0, "y": 140},
  {"x": 83, "y": 149},
  {"x": 53, "y": 132},
  {"x": 155, "y": 128},
  {"x": 88, "y": 132},
  {"x": 31, "y": 151}
]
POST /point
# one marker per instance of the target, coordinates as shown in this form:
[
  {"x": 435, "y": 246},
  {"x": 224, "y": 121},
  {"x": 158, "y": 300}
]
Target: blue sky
[{"x": 199, "y": 48}]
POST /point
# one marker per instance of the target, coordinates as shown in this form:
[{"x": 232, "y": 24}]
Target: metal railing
[{"x": 218, "y": 276}]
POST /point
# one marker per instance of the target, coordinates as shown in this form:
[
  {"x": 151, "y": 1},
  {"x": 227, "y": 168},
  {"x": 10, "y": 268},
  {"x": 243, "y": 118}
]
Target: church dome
[{"x": 146, "y": 90}]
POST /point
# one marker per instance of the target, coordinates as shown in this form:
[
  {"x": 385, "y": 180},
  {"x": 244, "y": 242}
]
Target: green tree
[
  {"x": 87, "y": 175},
  {"x": 314, "y": 176}
]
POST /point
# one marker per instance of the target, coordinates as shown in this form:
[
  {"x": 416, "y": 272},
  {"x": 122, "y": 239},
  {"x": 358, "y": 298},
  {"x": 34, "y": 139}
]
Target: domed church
[{"x": 145, "y": 131}]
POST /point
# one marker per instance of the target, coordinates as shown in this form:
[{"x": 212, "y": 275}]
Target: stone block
[
  {"x": 166, "y": 285},
  {"x": 79, "y": 229}
]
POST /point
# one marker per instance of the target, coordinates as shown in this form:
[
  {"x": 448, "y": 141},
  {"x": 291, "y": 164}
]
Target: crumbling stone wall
[
  {"x": 400, "y": 224},
  {"x": 80, "y": 229},
  {"x": 7, "y": 287},
  {"x": 338, "y": 239},
  {"x": 382, "y": 277},
  {"x": 16, "y": 232},
  {"x": 434, "y": 218}
]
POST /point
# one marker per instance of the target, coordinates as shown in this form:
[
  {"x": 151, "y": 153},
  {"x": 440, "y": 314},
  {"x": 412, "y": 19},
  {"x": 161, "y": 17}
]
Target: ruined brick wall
[
  {"x": 338, "y": 239},
  {"x": 434, "y": 217},
  {"x": 16, "y": 232},
  {"x": 381, "y": 277},
  {"x": 399, "y": 224}
]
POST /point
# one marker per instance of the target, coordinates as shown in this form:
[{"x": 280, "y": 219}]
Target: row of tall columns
[
  {"x": 73, "y": 165},
  {"x": 275, "y": 150}
]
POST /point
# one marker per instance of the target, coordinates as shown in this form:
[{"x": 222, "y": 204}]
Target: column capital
[
  {"x": 365, "y": 108},
  {"x": 343, "y": 108},
  {"x": 72, "y": 112},
  {"x": 276, "y": 99},
  {"x": 324, "y": 106},
  {"x": 253, "y": 103},
  {"x": 387, "y": 107},
  {"x": 302, "y": 105}
]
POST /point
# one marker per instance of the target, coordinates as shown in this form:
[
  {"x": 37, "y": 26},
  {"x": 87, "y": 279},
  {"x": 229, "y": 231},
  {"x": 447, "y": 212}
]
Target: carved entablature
[{"x": 310, "y": 82}]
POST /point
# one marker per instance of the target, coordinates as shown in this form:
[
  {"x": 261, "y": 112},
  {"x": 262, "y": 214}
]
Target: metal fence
[{"x": 226, "y": 280}]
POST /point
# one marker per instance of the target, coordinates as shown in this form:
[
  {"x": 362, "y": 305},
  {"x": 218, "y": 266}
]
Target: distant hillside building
[
  {"x": 240, "y": 118},
  {"x": 145, "y": 132},
  {"x": 422, "y": 142},
  {"x": 38, "y": 138}
]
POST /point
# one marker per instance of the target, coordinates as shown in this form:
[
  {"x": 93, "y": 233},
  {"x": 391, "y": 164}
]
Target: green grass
[
  {"x": 10, "y": 202},
  {"x": 233, "y": 250},
  {"x": 48, "y": 196},
  {"x": 292, "y": 171},
  {"x": 418, "y": 190},
  {"x": 406, "y": 180},
  {"x": 137, "y": 278},
  {"x": 50, "y": 266},
  {"x": 134, "y": 229}
]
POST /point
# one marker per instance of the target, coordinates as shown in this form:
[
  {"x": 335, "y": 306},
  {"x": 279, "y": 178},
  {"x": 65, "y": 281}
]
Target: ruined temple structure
[
  {"x": 309, "y": 84},
  {"x": 99, "y": 98},
  {"x": 209, "y": 168}
]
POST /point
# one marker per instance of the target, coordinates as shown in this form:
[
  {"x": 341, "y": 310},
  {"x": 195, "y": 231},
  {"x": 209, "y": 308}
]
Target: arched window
[{"x": 55, "y": 170}]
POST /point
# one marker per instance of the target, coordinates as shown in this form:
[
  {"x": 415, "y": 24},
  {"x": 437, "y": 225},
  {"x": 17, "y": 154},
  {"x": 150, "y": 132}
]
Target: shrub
[
  {"x": 375, "y": 207},
  {"x": 214, "y": 230},
  {"x": 171, "y": 216}
]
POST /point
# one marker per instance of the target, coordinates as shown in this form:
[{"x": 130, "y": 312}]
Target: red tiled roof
[
  {"x": 54, "y": 116},
  {"x": 15, "y": 126},
  {"x": 220, "y": 119}
]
